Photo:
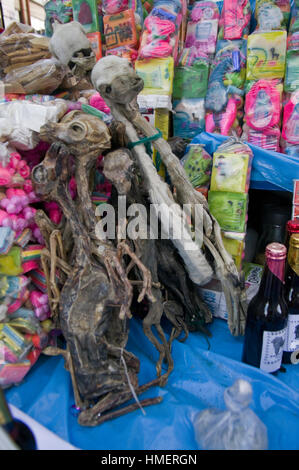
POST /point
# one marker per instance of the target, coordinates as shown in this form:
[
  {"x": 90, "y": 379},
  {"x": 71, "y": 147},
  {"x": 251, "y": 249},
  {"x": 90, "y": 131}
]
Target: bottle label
[
  {"x": 292, "y": 335},
  {"x": 273, "y": 342}
]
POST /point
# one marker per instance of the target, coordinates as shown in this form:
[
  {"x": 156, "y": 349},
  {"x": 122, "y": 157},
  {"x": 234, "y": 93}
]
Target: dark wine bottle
[
  {"x": 291, "y": 346},
  {"x": 267, "y": 314},
  {"x": 18, "y": 431}
]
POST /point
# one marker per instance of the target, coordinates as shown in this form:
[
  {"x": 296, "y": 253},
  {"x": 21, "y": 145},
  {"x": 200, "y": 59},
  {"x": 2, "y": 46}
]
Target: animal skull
[
  {"x": 70, "y": 45},
  {"x": 83, "y": 133},
  {"x": 116, "y": 80},
  {"x": 118, "y": 170}
]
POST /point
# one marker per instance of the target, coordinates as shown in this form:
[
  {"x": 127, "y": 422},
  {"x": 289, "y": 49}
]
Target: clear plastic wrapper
[
  {"x": 60, "y": 11},
  {"x": 290, "y": 124},
  {"x": 120, "y": 30},
  {"x": 229, "y": 209},
  {"x": 86, "y": 13},
  {"x": 204, "y": 10},
  {"x": 191, "y": 82},
  {"x": 111, "y": 7},
  {"x": 157, "y": 75},
  {"x": 198, "y": 166},
  {"x": 235, "y": 19},
  {"x": 235, "y": 428},
  {"x": 291, "y": 82},
  {"x": 263, "y": 114},
  {"x": 268, "y": 139},
  {"x": 202, "y": 35},
  {"x": 266, "y": 54},
  {"x": 272, "y": 14},
  {"x": 188, "y": 117},
  {"x": 263, "y": 105},
  {"x": 231, "y": 172},
  {"x": 224, "y": 98},
  {"x": 44, "y": 76},
  {"x": 20, "y": 50}
]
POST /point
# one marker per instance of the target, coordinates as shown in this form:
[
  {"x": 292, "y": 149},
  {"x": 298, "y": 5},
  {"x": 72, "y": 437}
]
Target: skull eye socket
[
  {"x": 77, "y": 130},
  {"x": 40, "y": 174},
  {"x": 108, "y": 89}
]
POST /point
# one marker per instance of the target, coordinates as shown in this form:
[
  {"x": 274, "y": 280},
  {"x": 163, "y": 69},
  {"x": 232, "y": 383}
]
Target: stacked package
[
  {"x": 24, "y": 310},
  {"x": 228, "y": 195},
  {"x": 224, "y": 101},
  {"x": 192, "y": 71},
  {"x": 290, "y": 126},
  {"x": 198, "y": 167},
  {"x": 157, "y": 55},
  {"x": 266, "y": 54}
]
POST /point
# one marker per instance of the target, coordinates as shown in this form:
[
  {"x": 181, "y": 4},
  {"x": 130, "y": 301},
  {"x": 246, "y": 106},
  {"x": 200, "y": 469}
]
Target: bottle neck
[
  {"x": 5, "y": 414},
  {"x": 293, "y": 259},
  {"x": 272, "y": 279}
]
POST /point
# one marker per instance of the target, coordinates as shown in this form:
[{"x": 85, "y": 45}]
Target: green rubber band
[{"x": 145, "y": 140}]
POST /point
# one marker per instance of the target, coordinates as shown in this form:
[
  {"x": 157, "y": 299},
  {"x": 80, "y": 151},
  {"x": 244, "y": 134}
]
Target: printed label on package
[
  {"x": 292, "y": 334},
  {"x": 273, "y": 342}
]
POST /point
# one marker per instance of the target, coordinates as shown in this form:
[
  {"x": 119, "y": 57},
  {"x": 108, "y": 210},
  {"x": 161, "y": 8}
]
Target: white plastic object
[{"x": 236, "y": 428}]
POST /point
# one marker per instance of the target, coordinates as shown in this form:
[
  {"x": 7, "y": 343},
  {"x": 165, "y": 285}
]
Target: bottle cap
[
  {"x": 293, "y": 226},
  {"x": 294, "y": 240},
  {"x": 276, "y": 251}
]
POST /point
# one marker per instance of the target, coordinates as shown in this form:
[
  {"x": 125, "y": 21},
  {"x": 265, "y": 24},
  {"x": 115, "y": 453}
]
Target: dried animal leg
[{"x": 91, "y": 417}]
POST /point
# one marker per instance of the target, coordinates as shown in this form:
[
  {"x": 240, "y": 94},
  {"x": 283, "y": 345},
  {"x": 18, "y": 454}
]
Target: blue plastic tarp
[
  {"x": 270, "y": 170},
  {"x": 201, "y": 373}
]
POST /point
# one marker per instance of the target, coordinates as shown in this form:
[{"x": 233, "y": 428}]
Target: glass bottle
[
  {"x": 18, "y": 431},
  {"x": 291, "y": 346},
  {"x": 267, "y": 315},
  {"x": 292, "y": 227}
]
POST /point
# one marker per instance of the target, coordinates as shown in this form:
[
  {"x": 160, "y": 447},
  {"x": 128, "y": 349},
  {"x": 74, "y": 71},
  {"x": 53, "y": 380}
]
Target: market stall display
[{"x": 112, "y": 105}]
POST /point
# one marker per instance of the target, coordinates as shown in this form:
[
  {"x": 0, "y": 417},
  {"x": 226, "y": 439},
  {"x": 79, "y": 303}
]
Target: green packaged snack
[
  {"x": 229, "y": 209},
  {"x": 191, "y": 82},
  {"x": 198, "y": 166}
]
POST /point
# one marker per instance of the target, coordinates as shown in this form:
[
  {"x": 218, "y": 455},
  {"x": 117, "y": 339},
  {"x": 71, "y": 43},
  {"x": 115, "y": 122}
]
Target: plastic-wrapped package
[
  {"x": 268, "y": 139},
  {"x": 272, "y": 14},
  {"x": 263, "y": 105},
  {"x": 191, "y": 81},
  {"x": 44, "y": 76},
  {"x": 86, "y": 13},
  {"x": 224, "y": 98},
  {"x": 198, "y": 165},
  {"x": 291, "y": 82},
  {"x": 20, "y": 50},
  {"x": 236, "y": 428},
  {"x": 157, "y": 75},
  {"x": 294, "y": 22},
  {"x": 125, "y": 52},
  {"x": 120, "y": 30},
  {"x": 202, "y": 35},
  {"x": 229, "y": 209},
  {"x": 57, "y": 11},
  {"x": 231, "y": 172},
  {"x": 188, "y": 117},
  {"x": 290, "y": 125},
  {"x": 205, "y": 10},
  {"x": 266, "y": 53},
  {"x": 111, "y": 7},
  {"x": 235, "y": 19},
  {"x": 263, "y": 114},
  {"x": 159, "y": 37},
  {"x": 22, "y": 339}
]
